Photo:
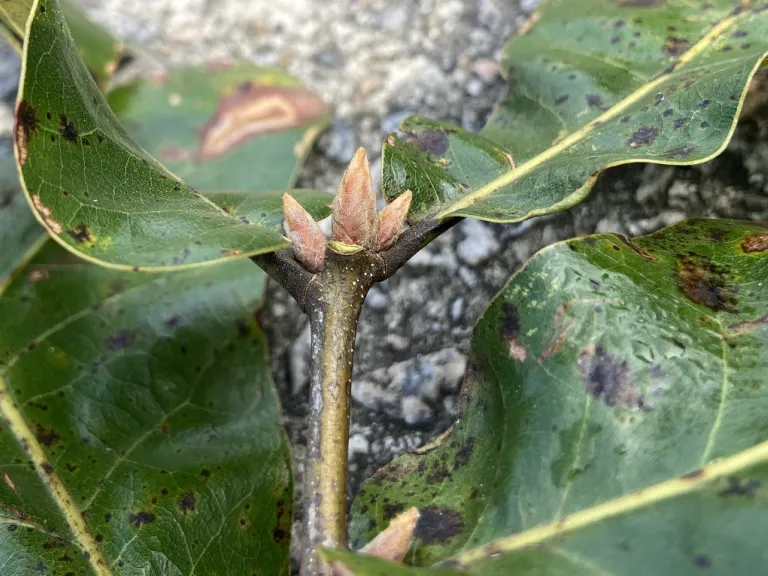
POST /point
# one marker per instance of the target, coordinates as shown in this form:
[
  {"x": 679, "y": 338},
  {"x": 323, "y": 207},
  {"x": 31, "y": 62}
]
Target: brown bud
[
  {"x": 392, "y": 219},
  {"x": 354, "y": 210},
  {"x": 307, "y": 238},
  {"x": 393, "y": 542}
]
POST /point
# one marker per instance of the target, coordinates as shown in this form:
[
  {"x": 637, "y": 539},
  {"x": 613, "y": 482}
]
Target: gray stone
[
  {"x": 341, "y": 142},
  {"x": 479, "y": 243},
  {"x": 300, "y": 360},
  {"x": 10, "y": 68},
  {"x": 376, "y": 299},
  {"x": 424, "y": 377},
  {"x": 358, "y": 444},
  {"x": 474, "y": 87},
  {"x": 457, "y": 308}
]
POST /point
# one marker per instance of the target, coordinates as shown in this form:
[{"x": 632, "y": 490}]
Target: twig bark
[{"x": 333, "y": 300}]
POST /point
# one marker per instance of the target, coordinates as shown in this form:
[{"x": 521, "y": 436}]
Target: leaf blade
[
  {"x": 560, "y": 144},
  {"x": 608, "y": 376},
  {"x": 146, "y": 445},
  {"x": 97, "y": 192}
]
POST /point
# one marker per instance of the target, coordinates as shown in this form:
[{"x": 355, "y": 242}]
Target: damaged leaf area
[
  {"x": 593, "y": 84},
  {"x": 639, "y": 402},
  {"x": 233, "y": 127},
  {"x": 95, "y": 190},
  {"x": 101, "y": 53},
  {"x": 125, "y": 404}
]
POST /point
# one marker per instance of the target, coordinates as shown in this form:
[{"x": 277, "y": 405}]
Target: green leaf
[
  {"x": 266, "y": 208},
  {"x": 223, "y": 127},
  {"x": 20, "y": 234},
  {"x": 141, "y": 432},
  {"x": 95, "y": 190},
  {"x": 100, "y": 51},
  {"x": 369, "y": 566},
  {"x": 594, "y": 84},
  {"x": 615, "y": 416}
]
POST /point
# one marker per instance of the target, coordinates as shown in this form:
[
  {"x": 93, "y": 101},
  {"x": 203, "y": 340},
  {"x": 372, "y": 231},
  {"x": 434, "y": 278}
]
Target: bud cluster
[{"x": 356, "y": 224}]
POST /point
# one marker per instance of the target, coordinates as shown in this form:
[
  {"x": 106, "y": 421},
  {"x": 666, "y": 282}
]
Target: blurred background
[{"x": 376, "y": 62}]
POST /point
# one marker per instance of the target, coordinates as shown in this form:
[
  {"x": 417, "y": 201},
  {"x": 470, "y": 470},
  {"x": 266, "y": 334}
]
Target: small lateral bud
[
  {"x": 392, "y": 543},
  {"x": 392, "y": 219},
  {"x": 304, "y": 233},
  {"x": 355, "y": 220}
]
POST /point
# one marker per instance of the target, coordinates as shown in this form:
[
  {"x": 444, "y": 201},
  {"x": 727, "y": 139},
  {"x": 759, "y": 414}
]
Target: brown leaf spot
[
  {"x": 464, "y": 454},
  {"x": 643, "y": 136},
  {"x": 738, "y": 488},
  {"x": 46, "y": 215},
  {"x": 742, "y": 327},
  {"x": 607, "y": 378},
  {"x": 187, "y": 503},
  {"x": 755, "y": 243},
  {"x": 641, "y": 251},
  {"x": 67, "y": 129},
  {"x": 81, "y": 234},
  {"x": 141, "y": 519},
  {"x": 252, "y": 111},
  {"x": 675, "y": 46},
  {"x": 47, "y": 437},
  {"x": 431, "y": 141},
  {"x": 392, "y": 509},
  {"x": 681, "y": 151},
  {"x": 26, "y": 125},
  {"x": 594, "y": 101},
  {"x": 704, "y": 283},
  {"x": 561, "y": 99},
  {"x": 8, "y": 481},
  {"x": 509, "y": 327},
  {"x": 121, "y": 340},
  {"x": 437, "y": 525}
]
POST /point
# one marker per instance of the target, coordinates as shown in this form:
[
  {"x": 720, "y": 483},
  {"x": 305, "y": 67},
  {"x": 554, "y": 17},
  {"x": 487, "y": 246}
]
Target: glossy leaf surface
[
  {"x": 99, "y": 50},
  {"x": 593, "y": 84},
  {"x": 140, "y": 431},
  {"x": 95, "y": 190},
  {"x": 223, "y": 126},
  {"x": 615, "y": 416}
]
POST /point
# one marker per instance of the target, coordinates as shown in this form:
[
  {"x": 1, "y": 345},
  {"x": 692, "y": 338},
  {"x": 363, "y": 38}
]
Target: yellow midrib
[
  {"x": 537, "y": 161},
  {"x": 27, "y": 439},
  {"x": 655, "y": 494}
]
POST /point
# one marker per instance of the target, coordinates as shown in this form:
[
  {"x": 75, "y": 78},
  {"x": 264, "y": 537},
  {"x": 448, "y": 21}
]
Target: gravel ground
[{"x": 377, "y": 61}]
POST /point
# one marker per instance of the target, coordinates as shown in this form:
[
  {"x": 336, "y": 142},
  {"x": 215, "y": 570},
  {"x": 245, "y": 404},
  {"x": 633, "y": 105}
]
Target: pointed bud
[
  {"x": 394, "y": 541},
  {"x": 307, "y": 238},
  {"x": 392, "y": 219},
  {"x": 354, "y": 210}
]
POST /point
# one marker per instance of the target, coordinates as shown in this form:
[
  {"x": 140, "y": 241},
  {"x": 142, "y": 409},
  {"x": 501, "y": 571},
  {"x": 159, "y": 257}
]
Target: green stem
[{"x": 334, "y": 301}]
